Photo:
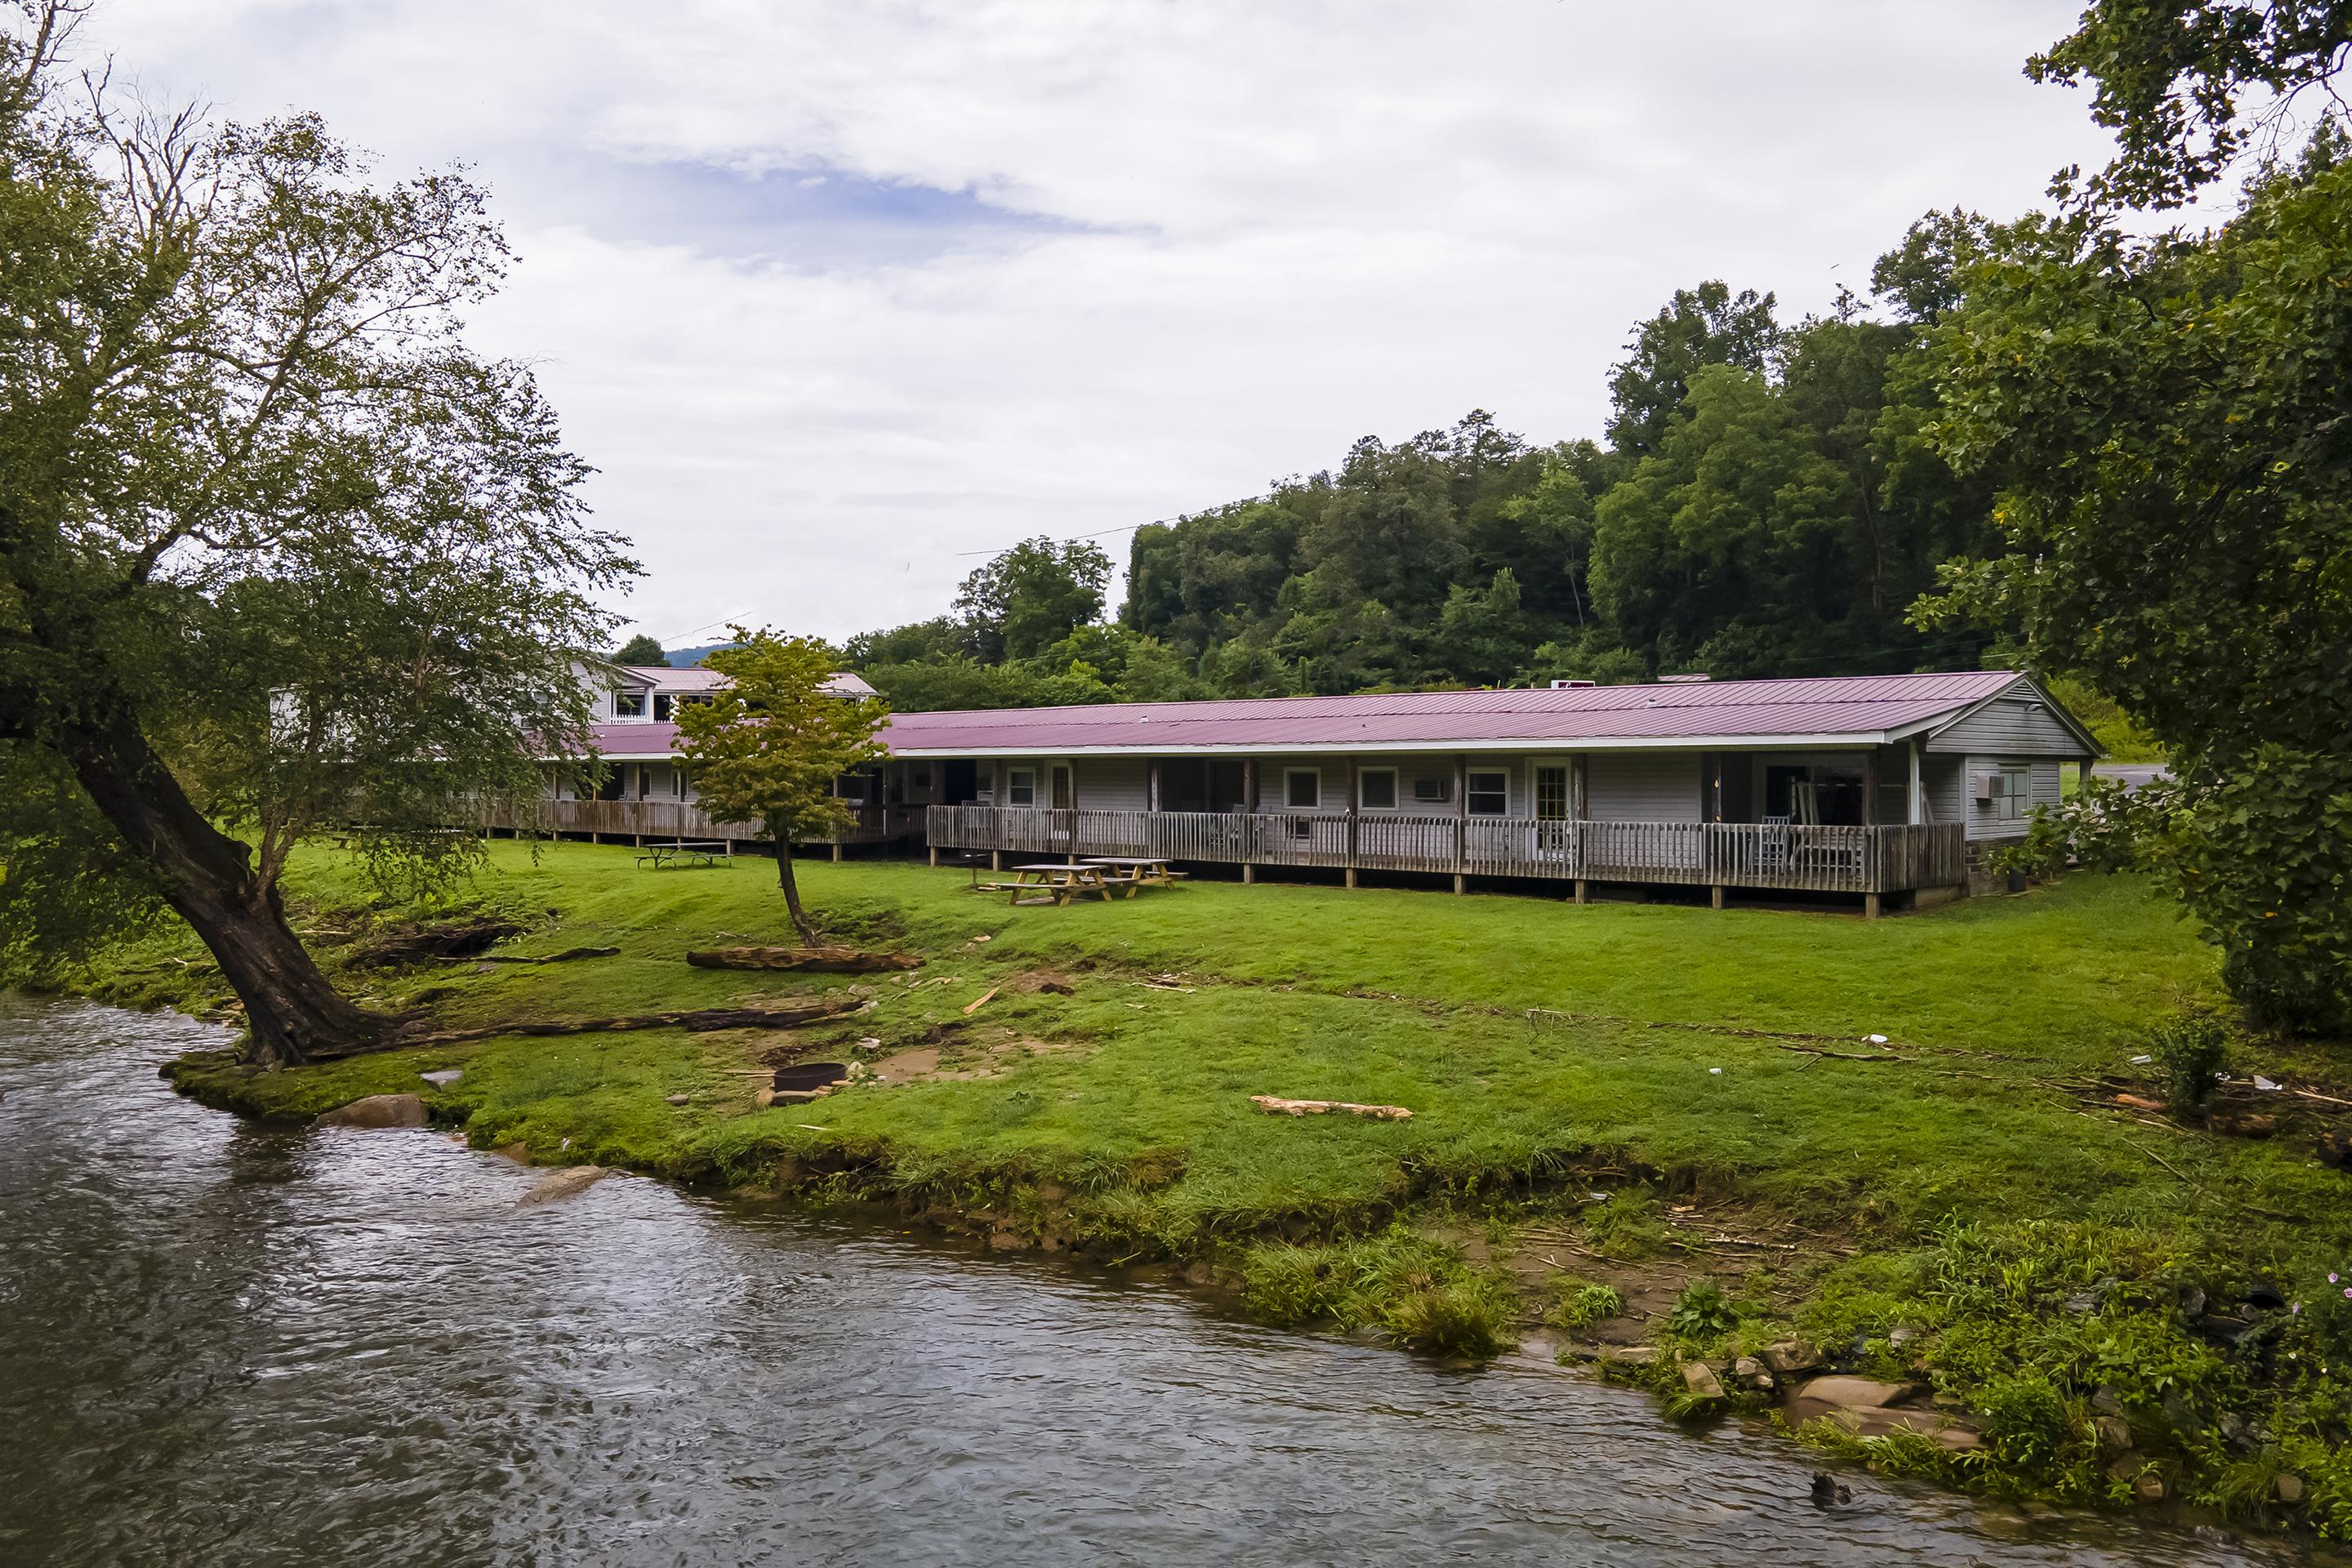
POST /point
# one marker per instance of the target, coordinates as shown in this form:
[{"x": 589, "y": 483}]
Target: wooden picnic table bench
[
  {"x": 1137, "y": 872},
  {"x": 684, "y": 852},
  {"x": 1053, "y": 883}
]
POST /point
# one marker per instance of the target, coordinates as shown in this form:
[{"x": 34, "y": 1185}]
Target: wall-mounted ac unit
[{"x": 1986, "y": 786}]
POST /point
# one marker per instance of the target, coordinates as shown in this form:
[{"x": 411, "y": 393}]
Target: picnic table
[
  {"x": 1051, "y": 883},
  {"x": 1135, "y": 872},
  {"x": 684, "y": 852}
]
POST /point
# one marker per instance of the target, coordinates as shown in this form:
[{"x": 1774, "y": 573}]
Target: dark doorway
[
  {"x": 959, "y": 782},
  {"x": 1184, "y": 785},
  {"x": 1735, "y": 774}
]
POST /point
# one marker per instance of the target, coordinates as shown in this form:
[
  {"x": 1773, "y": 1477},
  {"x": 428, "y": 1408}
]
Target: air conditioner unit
[{"x": 1986, "y": 786}]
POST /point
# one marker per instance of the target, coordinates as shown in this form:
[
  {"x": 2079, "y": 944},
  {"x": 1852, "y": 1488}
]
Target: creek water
[{"x": 226, "y": 1344}]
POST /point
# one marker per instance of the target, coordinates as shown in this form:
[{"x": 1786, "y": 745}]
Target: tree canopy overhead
[{"x": 275, "y": 548}]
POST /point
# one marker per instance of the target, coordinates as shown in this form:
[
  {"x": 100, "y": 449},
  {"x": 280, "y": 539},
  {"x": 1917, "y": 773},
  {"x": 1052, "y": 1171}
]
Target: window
[
  {"x": 1488, "y": 794},
  {"x": 665, "y": 705},
  {"x": 1551, "y": 793},
  {"x": 628, "y": 704},
  {"x": 1302, "y": 788},
  {"x": 2012, "y": 792},
  {"x": 1433, "y": 792},
  {"x": 677, "y": 776},
  {"x": 1021, "y": 786},
  {"x": 1376, "y": 786}
]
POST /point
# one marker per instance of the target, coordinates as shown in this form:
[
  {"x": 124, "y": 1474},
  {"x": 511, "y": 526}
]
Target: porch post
[
  {"x": 1915, "y": 797},
  {"x": 1578, "y": 767},
  {"x": 1870, "y": 787},
  {"x": 1249, "y": 818},
  {"x": 1461, "y": 821},
  {"x": 1151, "y": 790},
  {"x": 1352, "y": 821}
]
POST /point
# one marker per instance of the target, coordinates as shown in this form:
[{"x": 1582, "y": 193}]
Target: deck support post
[
  {"x": 935, "y": 855},
  {"x": 1718, "y": 895},
  {"x": 1870, "y": 906},
  {"x": 1352, "y": 876},
  {"x": 837, "y": 849},
  {"x": 594, "y": 836},
  {"x": 1581, "y": 897},
  {"x": 996, "y": 859},
  {"x": 1461, "y": 821},
  {"x": 1461, "y": 884},
  {"x": 1249, "y": 872}
]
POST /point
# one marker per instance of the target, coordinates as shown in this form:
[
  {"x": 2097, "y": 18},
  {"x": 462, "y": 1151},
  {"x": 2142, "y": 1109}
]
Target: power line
[{"x": 1106, "y": 533}]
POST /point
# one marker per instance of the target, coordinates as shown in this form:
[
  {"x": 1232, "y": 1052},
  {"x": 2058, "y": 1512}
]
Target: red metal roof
[
  {"x": 1758, "y": 712},
  {"x": 642, "y": 739}
]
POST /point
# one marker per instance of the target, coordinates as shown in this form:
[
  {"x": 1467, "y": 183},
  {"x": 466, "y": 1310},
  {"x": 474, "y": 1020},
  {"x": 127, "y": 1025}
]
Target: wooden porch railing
[
  {"x": 1717, "y": 854},
  {"x": 634, "y": 819}
]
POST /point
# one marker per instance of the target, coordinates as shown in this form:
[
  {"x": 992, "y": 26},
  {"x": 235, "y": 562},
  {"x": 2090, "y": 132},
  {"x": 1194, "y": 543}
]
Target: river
[{"x": 224, "y": 1344}]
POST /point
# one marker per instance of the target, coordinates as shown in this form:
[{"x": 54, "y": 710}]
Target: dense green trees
[{"x": 640, "y": 649}]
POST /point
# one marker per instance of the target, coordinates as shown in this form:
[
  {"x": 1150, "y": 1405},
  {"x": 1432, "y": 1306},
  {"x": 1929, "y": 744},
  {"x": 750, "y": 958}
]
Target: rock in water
[
  {"x": 569, "y": 1182},
  {"x": 1828, "y": 1491},
  {"x": 1700, "y": 1379},
  {"x": 377, "y": 1110}
]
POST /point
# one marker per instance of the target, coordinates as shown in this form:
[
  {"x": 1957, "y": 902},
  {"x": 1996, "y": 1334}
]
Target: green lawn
[{"x": 1545, "y": 1049}]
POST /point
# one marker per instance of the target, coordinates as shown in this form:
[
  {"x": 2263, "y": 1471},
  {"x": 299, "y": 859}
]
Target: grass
[{"x": 1669, "y": 1056}]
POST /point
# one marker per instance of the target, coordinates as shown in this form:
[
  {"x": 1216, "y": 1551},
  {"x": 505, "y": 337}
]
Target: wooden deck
[{"x": 1865, "y": 860}]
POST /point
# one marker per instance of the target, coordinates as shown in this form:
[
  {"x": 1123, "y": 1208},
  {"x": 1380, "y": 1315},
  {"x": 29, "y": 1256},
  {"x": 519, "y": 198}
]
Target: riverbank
[{"x": 1646, "y": 1124}]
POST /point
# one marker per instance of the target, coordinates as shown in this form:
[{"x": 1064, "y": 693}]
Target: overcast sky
[{"x": 842, "y": 298}]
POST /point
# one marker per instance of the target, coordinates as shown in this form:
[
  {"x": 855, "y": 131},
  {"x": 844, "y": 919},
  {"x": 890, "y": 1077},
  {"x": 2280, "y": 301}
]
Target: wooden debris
[
  {"x": 464, "y": 938},
  {"x": 1274, "y": 1105},
  {"x": 566, "y": 956},
  {"x": 822, "y": 960},
  {"x": 977, "y": 1003}
]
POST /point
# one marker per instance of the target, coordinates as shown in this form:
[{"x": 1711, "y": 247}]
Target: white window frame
[
  {"x": 1289, "y": 800},
  {"x": 1019, "y": 781},
  {"x": 620, "y": 696},
  {"x": 2012, "y": 791},
  {"x": 1567, "y": 770},
  {"x": 1363, "y": 793},
  {"x": 1470, "y": 791}
]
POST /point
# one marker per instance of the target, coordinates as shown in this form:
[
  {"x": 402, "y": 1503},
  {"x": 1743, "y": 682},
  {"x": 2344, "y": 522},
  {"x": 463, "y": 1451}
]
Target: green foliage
[
  {"x": 641, "y": 648},
  {"x": 2170, "y": 77},
  {"x": 1031, "y": 596},
  {"x": 1581, "y": 1304},
  {"x": 1626, "y": 1227},
  {"x": 2178, "y": 511},
  {"x": 1422, "y": 1292},
  {"x": 770, "y": 745},
  {"x": 2190, "y": 1050},
  {"x": 1699, "y": 326},
  {"x": 1701, "y": 1313}
]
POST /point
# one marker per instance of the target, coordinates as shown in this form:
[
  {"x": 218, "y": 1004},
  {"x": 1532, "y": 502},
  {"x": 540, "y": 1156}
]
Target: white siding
[
  {"x": 2043, "y": 790},
  {"x": 2015, "y": 727},
  {"x": 1114, "y": 784},
  {"x": 1643, "y": 786},
  {"x": 1946, "y": 782}
]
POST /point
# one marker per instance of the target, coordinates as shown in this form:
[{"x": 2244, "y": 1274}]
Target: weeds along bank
[{"x": 1660, "y": 1134}]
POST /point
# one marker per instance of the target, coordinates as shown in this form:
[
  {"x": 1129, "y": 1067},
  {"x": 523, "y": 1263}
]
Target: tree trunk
[
  {"x": 295, "y": 1013},
  {"x": 801, "y": 923}
]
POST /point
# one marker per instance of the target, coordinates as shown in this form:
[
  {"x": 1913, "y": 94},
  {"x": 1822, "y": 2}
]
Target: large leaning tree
[
  {"x": 276, "y": 548},
  {"x": 770, "y": 745}
]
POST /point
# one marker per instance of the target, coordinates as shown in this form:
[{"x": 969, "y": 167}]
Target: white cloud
[{"x": 1059, "y": 268}]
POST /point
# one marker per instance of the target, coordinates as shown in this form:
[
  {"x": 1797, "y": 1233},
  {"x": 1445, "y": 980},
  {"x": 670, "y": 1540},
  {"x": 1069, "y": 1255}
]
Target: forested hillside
[{"x": 1763, "y": 501}]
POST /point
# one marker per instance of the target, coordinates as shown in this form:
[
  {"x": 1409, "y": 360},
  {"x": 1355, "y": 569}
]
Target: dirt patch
[
  {"x": 1032, "y": 981},
  {"x": 968, "y": 1059}
]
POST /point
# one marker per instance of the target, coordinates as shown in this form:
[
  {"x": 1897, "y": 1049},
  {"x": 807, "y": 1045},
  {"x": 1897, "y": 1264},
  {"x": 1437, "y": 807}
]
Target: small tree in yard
[{"x": 767, "y": 747}]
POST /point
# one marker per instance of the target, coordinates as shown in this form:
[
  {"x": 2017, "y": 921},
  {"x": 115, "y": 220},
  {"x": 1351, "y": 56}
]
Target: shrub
[
  {"x": 1703, "y": 1313},
  {"x": 2190, "y": 1052},
  {"x": 1584, "y": 1305},
  {"x": 1422, "y": 1292},
  {"x": 1468, "y": 1316}
]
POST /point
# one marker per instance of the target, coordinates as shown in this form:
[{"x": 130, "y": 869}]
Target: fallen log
[
  {"x": 1274, "y": 1105},
  {"x": 701, "y": 1018},
  {"x": 566, "y": 956},
  {"x": 822, "y": 960}
]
